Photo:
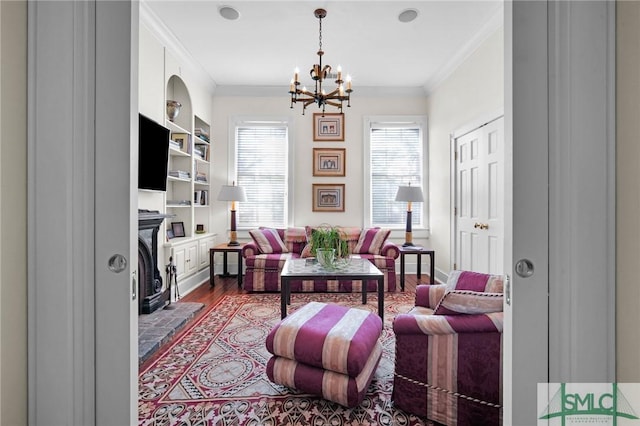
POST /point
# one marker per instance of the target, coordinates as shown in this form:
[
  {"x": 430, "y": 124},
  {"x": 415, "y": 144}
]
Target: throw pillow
[
  {"x": 306, "y": 251},
  {"x": 459, "y": 302},
  {"x": 371, "y": 240},
  {"x": 268, "y": 240},
  {"x": 474, "y": 281}
]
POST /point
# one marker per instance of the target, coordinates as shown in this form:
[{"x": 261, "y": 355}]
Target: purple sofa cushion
[
  {"x": 274, "y": 261},
  {"x": 371, "y": 240},
  {"x": 295, "y": 238},
  {"x": 268, "y": 240},
  {"x": 327, "y": 336}
]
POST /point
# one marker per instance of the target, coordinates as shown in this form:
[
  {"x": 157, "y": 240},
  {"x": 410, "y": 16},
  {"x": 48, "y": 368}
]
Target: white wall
[
  {"x": 301, "y": 139},
  {"x": 475, "y": 89},
  {"x": 469, "y": 93},
  {"x": 13, "y": 213}
]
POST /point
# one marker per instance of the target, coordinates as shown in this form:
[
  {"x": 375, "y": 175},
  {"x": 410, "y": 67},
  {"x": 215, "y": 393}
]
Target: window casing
[
  {"x": 262, "y": 168},
  {"x": 395, "y": 148}
]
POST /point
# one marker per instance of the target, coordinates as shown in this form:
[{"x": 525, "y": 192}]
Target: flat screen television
[{"x": 153, "y": 154}]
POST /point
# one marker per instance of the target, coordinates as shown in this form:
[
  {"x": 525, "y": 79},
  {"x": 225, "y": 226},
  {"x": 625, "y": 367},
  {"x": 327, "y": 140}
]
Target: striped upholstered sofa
[{"x": 266, "y": 254}]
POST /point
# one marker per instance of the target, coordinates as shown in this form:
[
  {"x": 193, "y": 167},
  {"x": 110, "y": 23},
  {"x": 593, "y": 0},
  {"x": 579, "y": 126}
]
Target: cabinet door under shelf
[
  {"x": 185, "y": 257},
  {"x": 203, "y": 251}
]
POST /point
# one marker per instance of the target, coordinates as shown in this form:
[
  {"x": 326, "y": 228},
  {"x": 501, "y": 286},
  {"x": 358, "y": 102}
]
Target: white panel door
[{"x": 479, "y": 194}]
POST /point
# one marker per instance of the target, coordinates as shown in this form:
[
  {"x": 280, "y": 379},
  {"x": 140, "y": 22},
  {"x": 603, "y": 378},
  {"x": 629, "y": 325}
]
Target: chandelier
[{"x": 319, "y": 73}]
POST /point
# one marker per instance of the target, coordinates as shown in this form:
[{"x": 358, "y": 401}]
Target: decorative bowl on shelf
[{"x": 173, "y": 109}]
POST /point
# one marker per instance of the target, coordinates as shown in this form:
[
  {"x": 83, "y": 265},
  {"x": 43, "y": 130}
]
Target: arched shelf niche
[{"x": 177, "y": 91}]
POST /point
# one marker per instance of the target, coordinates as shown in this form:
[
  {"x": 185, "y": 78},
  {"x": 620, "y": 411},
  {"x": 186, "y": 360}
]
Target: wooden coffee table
[{"x": 310, "y": 269}]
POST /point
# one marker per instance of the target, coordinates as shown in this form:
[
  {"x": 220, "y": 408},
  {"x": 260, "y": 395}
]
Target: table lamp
[
  {"x": 410, "y": 194},
  {"x": 232, "y": 193}
]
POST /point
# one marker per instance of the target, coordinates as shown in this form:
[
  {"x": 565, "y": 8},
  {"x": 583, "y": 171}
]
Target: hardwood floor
[{"x": 223, "y": 286}]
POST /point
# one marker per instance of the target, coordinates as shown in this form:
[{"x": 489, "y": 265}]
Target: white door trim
[
  {"x": 61, "y": 267},
  {"x": 582, "y": 191},
  {"x": 477, "y": 123}
]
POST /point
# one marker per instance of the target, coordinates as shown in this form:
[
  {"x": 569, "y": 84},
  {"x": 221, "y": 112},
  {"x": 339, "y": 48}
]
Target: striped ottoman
[{"x": 326, "y": 350}]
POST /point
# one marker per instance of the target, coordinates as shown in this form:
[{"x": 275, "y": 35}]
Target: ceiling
[{"x": 271, "y": 38}]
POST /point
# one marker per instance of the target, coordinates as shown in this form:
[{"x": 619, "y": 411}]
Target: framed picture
[
  {"x": 170, "y": 234},
  {"x": 328, "y": 127},
  {"x": 178, "y": 229},
  {"x": 328, "y": 197},
  {"x": 182, "y": 141},
  {"x": 329, "y": 161}
]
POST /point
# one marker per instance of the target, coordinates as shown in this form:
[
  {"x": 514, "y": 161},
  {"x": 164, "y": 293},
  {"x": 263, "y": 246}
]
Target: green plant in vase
[{"x": 329, "y": 246}]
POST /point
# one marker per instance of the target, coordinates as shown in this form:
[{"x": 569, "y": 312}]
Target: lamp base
[
  {"x": 233, "y": 236},
  {"x": 408, "y": 236}
]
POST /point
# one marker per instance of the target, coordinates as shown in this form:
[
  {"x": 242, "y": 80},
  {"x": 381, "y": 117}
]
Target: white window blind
[
  {"x": 261, "y": 167},
  {"x": 396, "y": 159}
]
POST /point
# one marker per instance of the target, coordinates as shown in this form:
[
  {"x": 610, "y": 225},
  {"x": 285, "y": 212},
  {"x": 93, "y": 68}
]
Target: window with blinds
[
  {"x": 396, "y": 158},
  {"x": 261, "y": 168}
]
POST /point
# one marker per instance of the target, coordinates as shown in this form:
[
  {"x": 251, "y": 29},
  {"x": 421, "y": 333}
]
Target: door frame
[{"x": 61, "y": 275}]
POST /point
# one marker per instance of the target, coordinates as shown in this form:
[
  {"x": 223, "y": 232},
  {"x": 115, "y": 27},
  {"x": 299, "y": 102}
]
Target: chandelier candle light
[
  {"x": 410, "y": 194},
  {"x": 318, "y": 73},
  {"x": 232, "y": 193}
]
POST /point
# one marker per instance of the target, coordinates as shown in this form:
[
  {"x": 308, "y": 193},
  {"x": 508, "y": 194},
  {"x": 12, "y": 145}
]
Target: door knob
[
  {"x": 524, "y": 268},
  {"x": 117, "y": 263}
]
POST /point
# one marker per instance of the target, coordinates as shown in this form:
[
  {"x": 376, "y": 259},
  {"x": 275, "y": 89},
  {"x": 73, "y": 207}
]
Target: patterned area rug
[{"x": 214, "y": 374}]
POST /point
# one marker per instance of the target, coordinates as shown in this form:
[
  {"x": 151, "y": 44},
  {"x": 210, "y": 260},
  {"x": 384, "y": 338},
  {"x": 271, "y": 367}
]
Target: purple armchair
[{"x": 449, "y": 351}]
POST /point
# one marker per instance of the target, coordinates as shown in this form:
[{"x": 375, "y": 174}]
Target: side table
[
  {"x": 225, "y": 249},
  {"x": 418, "y": 251}
]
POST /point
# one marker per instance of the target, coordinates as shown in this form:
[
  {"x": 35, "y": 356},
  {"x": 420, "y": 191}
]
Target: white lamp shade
[
  {"x": 232, "y": 193},
  {"x": 409, "y": 193}
]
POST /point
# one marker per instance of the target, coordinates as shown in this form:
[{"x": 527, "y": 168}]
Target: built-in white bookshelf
[{"x": 188, "y": 237}]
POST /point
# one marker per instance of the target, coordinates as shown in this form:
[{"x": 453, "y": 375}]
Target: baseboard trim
[{"x": 191, "y": 283}]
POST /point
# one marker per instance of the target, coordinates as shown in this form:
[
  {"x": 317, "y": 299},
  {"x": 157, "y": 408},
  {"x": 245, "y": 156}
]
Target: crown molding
[
  {"x": 150, "y": 20},
  {"x": 283, "y": 91},
  {"x": 490, "y": 27}
]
